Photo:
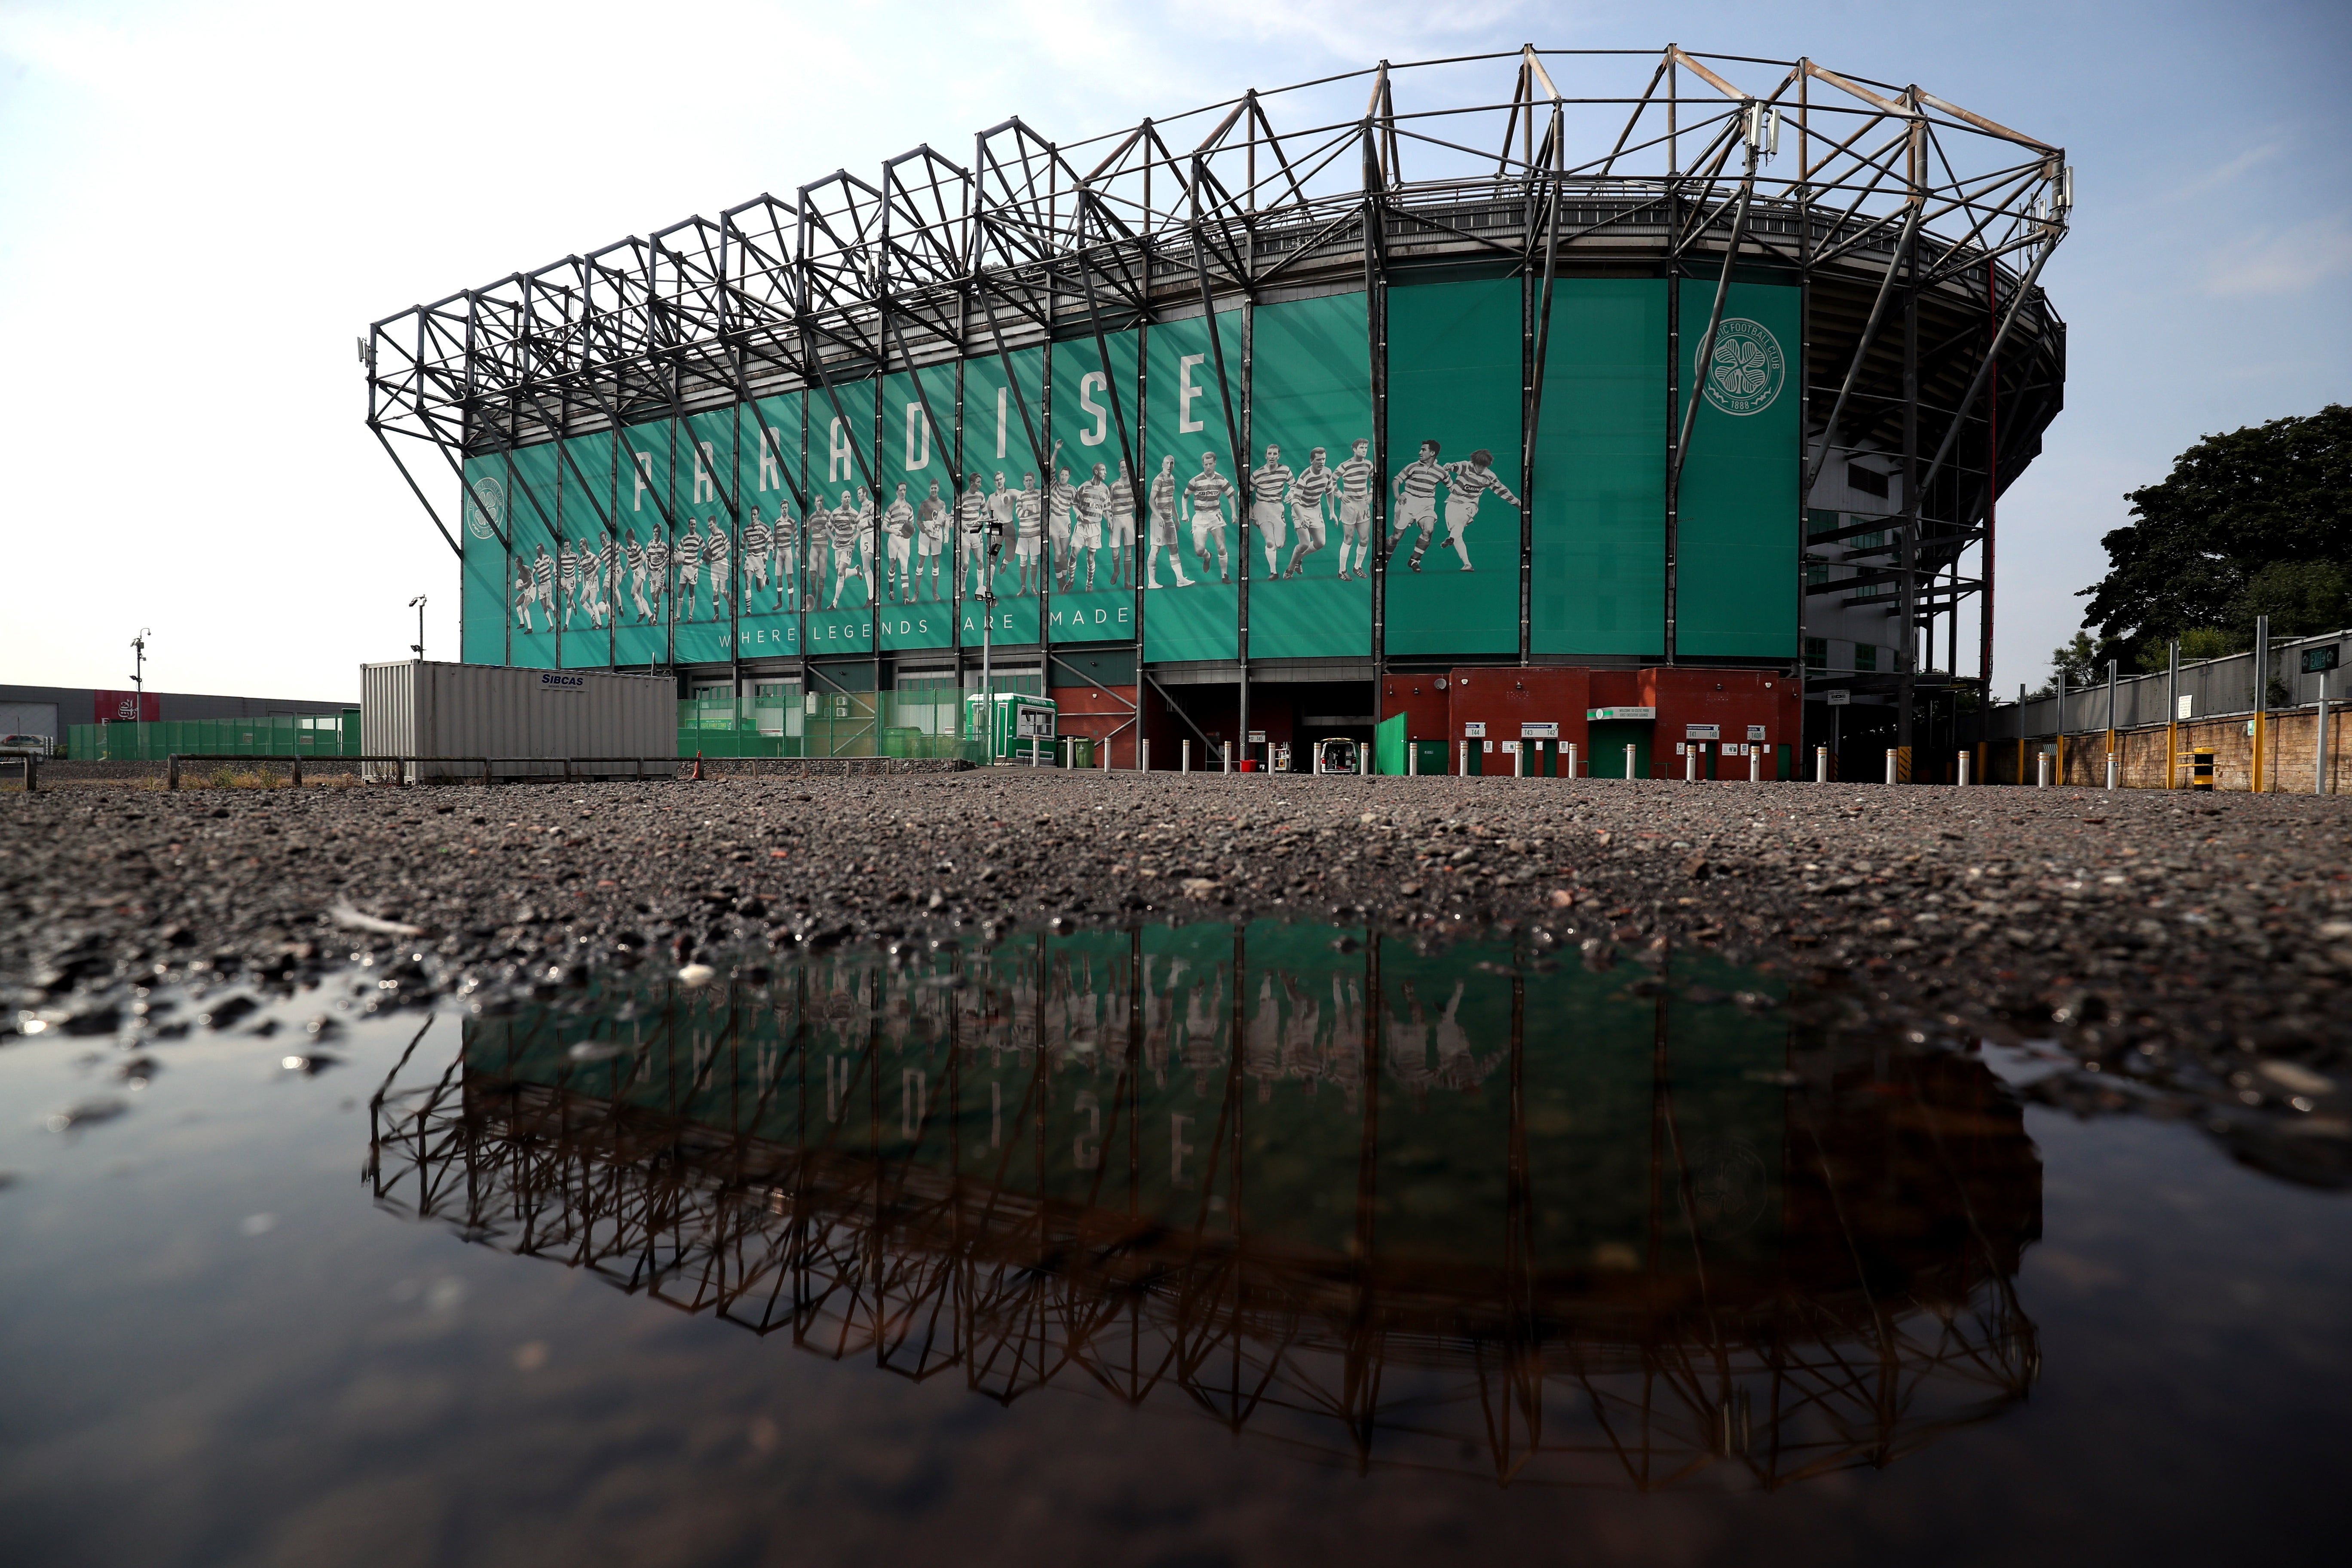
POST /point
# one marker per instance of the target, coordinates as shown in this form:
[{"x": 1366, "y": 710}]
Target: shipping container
[{"x": 460, "y": 721}]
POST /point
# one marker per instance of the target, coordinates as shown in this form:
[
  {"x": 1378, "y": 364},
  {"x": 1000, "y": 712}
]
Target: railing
[
  {"x": 601, "y": 767},
  {"x": 2216, "y": 688}
]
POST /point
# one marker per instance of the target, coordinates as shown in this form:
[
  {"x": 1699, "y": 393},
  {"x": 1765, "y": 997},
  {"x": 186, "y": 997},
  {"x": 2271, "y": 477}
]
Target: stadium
[{"x": 1674, "y": 390}]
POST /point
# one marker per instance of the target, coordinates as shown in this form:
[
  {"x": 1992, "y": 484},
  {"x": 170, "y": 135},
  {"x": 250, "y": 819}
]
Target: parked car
[{"x": 27, "y": 746}]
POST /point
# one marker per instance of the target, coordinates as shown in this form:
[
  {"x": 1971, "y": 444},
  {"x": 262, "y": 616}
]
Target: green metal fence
[
  {"x": 269, "y": 735},
  {"x": 782, "y": 720}
]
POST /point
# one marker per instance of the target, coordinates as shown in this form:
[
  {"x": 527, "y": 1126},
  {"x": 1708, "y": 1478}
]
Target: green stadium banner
[
  {"x": 485, "y": 605},
  {"x": 582, "y": 554},
  {"x": 1443, "y": 1037},
  {"x": 1739, "y": 518},
  {"x": 643, "y": 636},
  {"x": 1311, "y": 386},
  {"x": 769, "y": 449},
  {"x": 917, "y": 561},
  {"x": 1595, "y": 1080},
  {"x": 1302, "y": 1012},
  {"x": 1731, "y": 1124},
  {"x": 1453, "y": 381},
  {"x": 541, "y": 557},
  {"x": 585, "y": 477},
  {"x": 1195, "y": 611},
  {"x": 1093, "y": 597},
  {"x": 1188, "y": 1000},
  {"x": 997, "y": 446},
  {"x": 702, "y": 612},
  {"x": 840, "y": 449},
  {"x": 1598, "y": 490}
]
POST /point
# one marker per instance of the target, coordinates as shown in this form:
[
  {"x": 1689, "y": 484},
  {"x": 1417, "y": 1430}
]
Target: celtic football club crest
[
  {"x": 1746, "y": 370},
  {"x": 486, "y": 507}
]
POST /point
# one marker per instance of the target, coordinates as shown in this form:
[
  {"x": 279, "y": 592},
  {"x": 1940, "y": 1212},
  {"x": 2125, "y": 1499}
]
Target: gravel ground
[{"x": 2133, "y": 928}]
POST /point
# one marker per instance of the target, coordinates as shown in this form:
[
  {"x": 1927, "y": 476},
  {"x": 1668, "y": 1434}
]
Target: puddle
[
  {"x": 1206, "y": 1240},
  {"x": 1520, "y": 1219}
]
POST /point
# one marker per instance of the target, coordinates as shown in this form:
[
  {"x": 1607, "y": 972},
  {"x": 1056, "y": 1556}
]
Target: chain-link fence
[{"x": 263, "y": 735}]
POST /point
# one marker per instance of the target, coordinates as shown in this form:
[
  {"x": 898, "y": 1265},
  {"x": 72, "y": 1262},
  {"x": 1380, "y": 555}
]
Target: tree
[
  {"x": 2196, "y": 643},
  {"x": 2300, "y": 597},
  {"x": 2077, "y": 661},
  {"x": 2266, "y": 495}
]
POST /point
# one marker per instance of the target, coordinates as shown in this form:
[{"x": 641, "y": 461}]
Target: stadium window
[
  {"x": 1868, "y": 541},
  {"x": 1817, "y": 653},
  {"x": 1815, "y": 577},
  {"x": 1869, "y": 481},
  {"x": 1818, "y": 522},
  {"x": 1029, "y": 682},
  {"x": 1866, "y": 656}
]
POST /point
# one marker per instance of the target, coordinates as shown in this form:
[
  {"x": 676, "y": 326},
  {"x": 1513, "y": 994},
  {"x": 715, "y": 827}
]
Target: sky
[{"x": 202, "y": 207}]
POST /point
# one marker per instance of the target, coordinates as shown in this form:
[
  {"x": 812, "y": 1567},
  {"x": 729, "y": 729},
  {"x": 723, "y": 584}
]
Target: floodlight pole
[
  {"x": 418, "y": 603},
  {"x": 138, "y": 691}
]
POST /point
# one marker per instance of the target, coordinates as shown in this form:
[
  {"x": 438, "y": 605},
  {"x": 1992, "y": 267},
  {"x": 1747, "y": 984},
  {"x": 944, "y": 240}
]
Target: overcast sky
[{"x": 202, "y": 207}]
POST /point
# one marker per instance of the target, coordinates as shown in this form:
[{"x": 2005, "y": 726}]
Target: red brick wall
[
  {"x": 1098, "y": 712},
  {"x": 1731, "y": 699}
]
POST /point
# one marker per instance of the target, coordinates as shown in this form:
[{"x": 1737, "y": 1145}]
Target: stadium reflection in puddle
[{"x": 1481, "y": 1208}]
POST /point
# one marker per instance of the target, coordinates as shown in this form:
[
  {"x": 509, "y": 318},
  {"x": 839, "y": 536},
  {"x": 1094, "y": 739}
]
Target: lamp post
[{"x": 139, "y": 686}]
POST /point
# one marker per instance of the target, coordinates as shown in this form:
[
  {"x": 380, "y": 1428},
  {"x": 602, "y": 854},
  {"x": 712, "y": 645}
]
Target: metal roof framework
[{"x": 1920, "y": 227}]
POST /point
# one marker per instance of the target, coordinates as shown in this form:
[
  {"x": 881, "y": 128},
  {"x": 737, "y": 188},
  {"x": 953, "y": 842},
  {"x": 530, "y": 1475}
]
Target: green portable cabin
[{"x": 1019, "y": 725}]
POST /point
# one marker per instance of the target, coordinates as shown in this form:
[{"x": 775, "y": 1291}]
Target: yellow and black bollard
[{"x": 2200, "y": 768}]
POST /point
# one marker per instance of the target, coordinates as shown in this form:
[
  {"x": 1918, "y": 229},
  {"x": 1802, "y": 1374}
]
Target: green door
[
  {"x": 1609, "y": 739},
  {"x": 1433, "y": 756},
  {"x": 1388, "y": 745}
]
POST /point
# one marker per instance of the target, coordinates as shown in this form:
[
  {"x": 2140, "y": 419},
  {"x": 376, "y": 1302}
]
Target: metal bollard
[
  {"x": 1690, "y": 763},
  {"x": 1821, "y": 765},
  {"x": 1463, "y": 759},
  {"x": 1890, "y": 764},
  {"x": 2041, "y": 770},
  {"x": 297, "y": 781},
  {"x": 1412, "y": 758},
  {"x": 172, "y": 772},
  {"x": 1520, "y": 762},
  {"x": 1628, "y": 761},
  {"x": 1143, "y": 756},
  {"x": 1229, "y": 755},
  {"x": 2114, "y": 768},
  {"x": 1571, "y": 759},
  {"x": 2319, "y": 741},
  {"x": 1755, "y": 764},
  {"x": 1184, "y": 763},
  {"x": 1961, "y": 773},
  {"x": 1106, "y": 767}
]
